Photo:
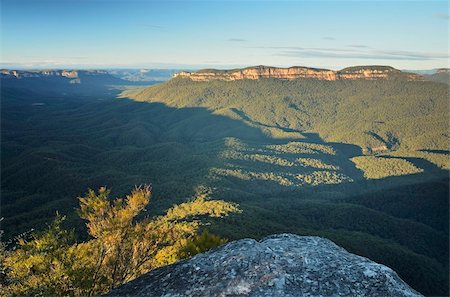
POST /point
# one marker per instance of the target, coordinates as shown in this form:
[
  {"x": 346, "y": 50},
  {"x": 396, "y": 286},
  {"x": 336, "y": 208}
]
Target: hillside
[
  {"x": 442, "y": 75},
  {"x": 289, "y": 152},
  {"x": 395, "y": 114}
]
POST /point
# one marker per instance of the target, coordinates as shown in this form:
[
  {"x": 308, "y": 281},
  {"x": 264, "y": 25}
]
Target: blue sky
[{"x": 224, "y": 34}]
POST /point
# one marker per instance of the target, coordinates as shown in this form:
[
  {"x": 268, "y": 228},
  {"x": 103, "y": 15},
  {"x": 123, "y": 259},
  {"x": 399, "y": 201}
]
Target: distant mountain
[
  {"x": 374, "y": 107},
  {"x": 438, "y": 75},
  {"x": 441, "y": 75},
  {"x": 61, "y": 81},
  {"x": 295, "y": 72},
  {"x": 144, "y": 75},
  {"x": 72, "y": 76},
  {"x": 424, "y": 71}
]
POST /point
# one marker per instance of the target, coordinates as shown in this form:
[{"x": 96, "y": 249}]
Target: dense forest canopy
[
  {"x": 364, "y": 163},
  {"x": 399, "y": 114}
]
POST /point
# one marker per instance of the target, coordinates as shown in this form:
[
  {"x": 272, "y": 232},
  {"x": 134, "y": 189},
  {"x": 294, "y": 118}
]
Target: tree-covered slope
[
  {"x": 399, "y": 114},
  {"x": 255, "y": 143}
]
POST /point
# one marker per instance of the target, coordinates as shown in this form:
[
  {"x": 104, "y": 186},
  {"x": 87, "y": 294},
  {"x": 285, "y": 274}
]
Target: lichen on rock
[{"x": 279, "y": 265}]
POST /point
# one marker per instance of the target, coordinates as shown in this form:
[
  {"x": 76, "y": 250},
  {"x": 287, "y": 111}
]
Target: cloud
[
  {"x": 357, "y": 46},
  {"x": 302, "y": 48},
  {"x": 56, "y": 57},
  {"x": 413, "y": 55},
  {"x": 236, "y": 40},
  {"x": 444, "y": 16},
  {"x": 328, "y": 38},
  {"x": 351, "y": 52},
  {"x": 358, "y": 53}
]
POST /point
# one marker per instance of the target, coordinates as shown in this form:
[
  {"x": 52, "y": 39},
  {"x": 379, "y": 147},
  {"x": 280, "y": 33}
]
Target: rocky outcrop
[
  {"x": 6, "y": 73},
  {"x": 375, "y": 72},
  {"x": 441, "y": 75},
  {"x": 71, "y": 74},
  {"x": 62, "y": 82},
  {"x": 443, "y": 70},
  {"x": 279, "y": 265},
  {"x": 257, "y": 72}
]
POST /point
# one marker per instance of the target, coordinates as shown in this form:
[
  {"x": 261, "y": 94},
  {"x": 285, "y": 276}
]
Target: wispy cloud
[
  {"x": 56, "y": 58},
  {"x": 328, "y": 38},
  {"x": 236, "y": 40},
  {"x": 299, "y": 48},
  {"x": 39, "y": 62},
  {"x": 412, "y": 55},
  {"x": 356, "y": 52},
  {"x": 357, "y": 46},
  {"x": 444, "y": 16}
]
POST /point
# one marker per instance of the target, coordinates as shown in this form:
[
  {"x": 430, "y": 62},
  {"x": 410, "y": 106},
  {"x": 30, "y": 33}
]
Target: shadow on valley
[
  {"x": 428, "y": 167},
  {"x": 53, "y": 151},
  {"x": 55, "y": 147},
  {"x": 437, "y": 151}
]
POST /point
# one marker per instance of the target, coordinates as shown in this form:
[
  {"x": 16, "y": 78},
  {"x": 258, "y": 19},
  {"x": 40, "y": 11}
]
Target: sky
[{"x": 223, "y": 34}]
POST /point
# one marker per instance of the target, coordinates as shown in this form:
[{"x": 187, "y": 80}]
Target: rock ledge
[{"x": 279, "y": 265}]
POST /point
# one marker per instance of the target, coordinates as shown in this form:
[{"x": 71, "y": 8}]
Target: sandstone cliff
[
  {"x": 443, "y": 70},
  {"x": 8, "y": 73},
  {"x": 442, "y": 75},
  {"x": 257, "y": 72},
  {"x": 280, "y": 265}
]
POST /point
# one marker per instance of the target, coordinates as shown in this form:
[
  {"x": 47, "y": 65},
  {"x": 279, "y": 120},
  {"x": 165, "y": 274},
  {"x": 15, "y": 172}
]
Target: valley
[{"x": 337, "y": 159}]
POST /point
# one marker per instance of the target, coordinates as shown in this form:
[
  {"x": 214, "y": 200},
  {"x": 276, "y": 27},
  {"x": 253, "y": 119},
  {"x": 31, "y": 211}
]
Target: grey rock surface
[{"x": 279, "y": 265}]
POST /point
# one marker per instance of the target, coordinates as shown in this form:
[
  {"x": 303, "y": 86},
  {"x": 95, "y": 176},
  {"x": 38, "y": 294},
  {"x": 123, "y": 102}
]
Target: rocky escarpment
[
  {"x": 279, "y": 265},
  {"x": 443, "y": 70},
  {"x": 51, "y": 78},
  {"x": 441, "y": 75},
  {"x": 257, "y": 72},
  {"x": 8, "y": 73}
]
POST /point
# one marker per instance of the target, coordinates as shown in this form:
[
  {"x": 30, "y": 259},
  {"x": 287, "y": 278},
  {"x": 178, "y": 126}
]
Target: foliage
[
  {"x": 441, "y": 159},
  {"x": 358, "y": 112},
  {"x": 200, "y": 243},
  {"x": 4, "y": 288},
  {"x": 302, "y": 148},
  {"x": 39, "y": 266},
  {"x": 252, "y": 142},
  {"x": 322, "y": 177},
  {"x": 315, "y": 163},
  {"x": 381, "y": 167},
  {"x": 121, "y": 248}
]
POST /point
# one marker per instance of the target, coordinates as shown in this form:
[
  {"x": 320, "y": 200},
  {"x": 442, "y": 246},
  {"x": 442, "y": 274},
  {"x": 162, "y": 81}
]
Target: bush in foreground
[{"x": 121, "y": 247}]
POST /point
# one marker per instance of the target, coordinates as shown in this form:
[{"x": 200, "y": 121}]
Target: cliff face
[
  {"x": 7, "y": 73},
  {"x": 280, "y": 265},
  {"x": 58, "y": 81},
  {"x": 257, "y": 72},
  {"x": 352, "y": 73},
  {"x": 442, "y": 75},
  {"x": 260, "y": 72},
  {"x": 443, "y": 70}
]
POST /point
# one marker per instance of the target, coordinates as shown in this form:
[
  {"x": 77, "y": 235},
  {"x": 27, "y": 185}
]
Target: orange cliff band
[{"x": 351, "y": 73}]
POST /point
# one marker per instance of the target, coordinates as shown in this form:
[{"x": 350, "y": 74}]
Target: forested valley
[{"x": 334, "y": 159}]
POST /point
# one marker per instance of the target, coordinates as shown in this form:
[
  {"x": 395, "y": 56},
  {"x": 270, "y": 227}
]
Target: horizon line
[{"x": 182, "y": 67}]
